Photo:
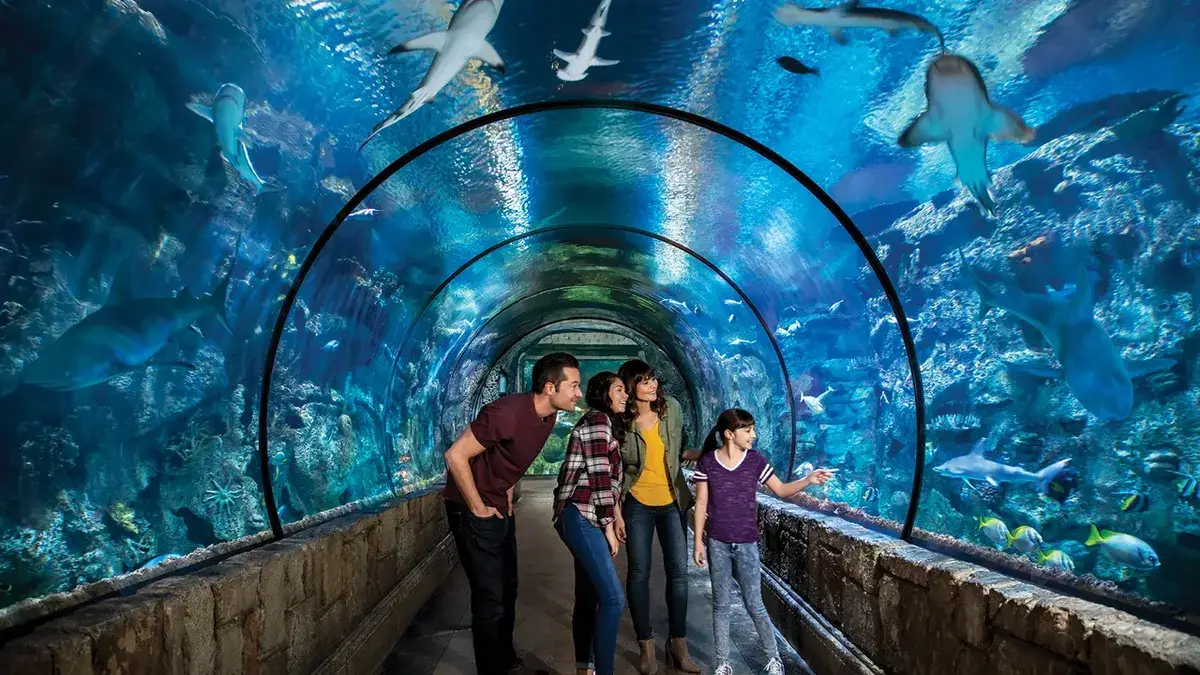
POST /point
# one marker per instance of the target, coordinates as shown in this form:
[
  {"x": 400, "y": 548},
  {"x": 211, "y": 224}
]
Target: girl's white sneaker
[
  {"x": 723, "y": 669},
  {"x": 774, "y": 667}
]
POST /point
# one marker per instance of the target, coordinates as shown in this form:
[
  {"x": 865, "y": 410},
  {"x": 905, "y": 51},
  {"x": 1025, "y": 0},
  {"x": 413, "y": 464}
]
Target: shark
[
  {"x": 584, "y": 57},
  {"x": 464, "y": 39},
  {"x": 974, "y": 466},
  {"x": 1090, "y": 364},
  {"x": 854, "y": 15},
  {"x": 960, "y": 114},
  {"x": 124, "y": 335},
  {"x": 227, "y": 114}
]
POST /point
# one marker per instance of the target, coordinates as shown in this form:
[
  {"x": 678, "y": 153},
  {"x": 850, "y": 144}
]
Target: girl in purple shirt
[{"x": 727, "y": 477}]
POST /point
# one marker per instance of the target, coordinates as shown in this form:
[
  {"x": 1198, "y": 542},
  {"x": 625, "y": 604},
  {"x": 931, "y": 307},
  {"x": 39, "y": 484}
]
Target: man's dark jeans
[
  {"x": 641, "y": 522},
  {"x": 487, "y": 548}
]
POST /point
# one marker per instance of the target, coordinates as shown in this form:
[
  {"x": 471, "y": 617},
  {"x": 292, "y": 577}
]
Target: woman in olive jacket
[{"x": 655, "y": 498}]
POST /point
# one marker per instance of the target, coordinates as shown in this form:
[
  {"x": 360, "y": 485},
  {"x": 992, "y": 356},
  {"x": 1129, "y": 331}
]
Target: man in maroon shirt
[{"x": 484, "y": 465}]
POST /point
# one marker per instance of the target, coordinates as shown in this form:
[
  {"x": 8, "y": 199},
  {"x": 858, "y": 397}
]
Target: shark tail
[
  {"x": 1094, "y": 537},
  {"x": 1048, "y": 474},
  {"x": 984, "y": 293},
  {"x": 417, "y": 99}
]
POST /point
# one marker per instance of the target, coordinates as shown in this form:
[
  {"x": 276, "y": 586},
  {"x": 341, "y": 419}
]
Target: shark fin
[
  {"x": 565, "y": 56},
  {"x": 923, "y": 129},
  {"x": 488, "y": 54},
  {"x": 977, "y": 449},
  {"x": 1042, "y": 369},
  {"x": 120, "y": 289},
  {"x": 430, "y": 41},
  {"x": 270, "y": 185},
  {"x": 1048, "y": 474},
  {"x": 597, "y": 61},
  {"x": 1003, "y": 124},
  {"x": 604, "y": 33},
  {"x": 993, "y": 482},
  {"x": 196, "y": 328},
  {"x": 246, "y": 138},
  {"x": 1146, "y": 367},
  {"x": 201, "y": 110}
]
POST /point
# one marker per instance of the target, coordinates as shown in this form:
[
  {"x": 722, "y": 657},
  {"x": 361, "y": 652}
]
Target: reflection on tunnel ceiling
[{"x": 170, "y": 165}]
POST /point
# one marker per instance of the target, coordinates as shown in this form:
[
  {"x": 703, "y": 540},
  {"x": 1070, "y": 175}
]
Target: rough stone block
[
  {"x": 1012, "y": 656},
  {"x": 387, "y": 574},
  {"x": 188, "y": 620},
  {"x": 971, "y": 610},
  {"x": 275, "y": 663},
  {"x": 860, "y": 618},
  {"x": 234, "y": 586},
  {"x": 1012, "y": 606},
  {"x": 252, "y": 643},
  {"x": 331, "y": 627},
  {"x": 273, "y": 598},
  {"x": 26, "y": 656},
  {"x": 127, "y": 634},
  {"x": 1125, "y": 645},
  {"x": 229, "y": 649},
  {"x": 829, "y": 582},
  {"x": 301, "y": 621},
  {"x": 387, "y": 531},
  {"x": 904, "y": 614},
  {"x": 911, "y": 563},
  {"x": 1065, "y": 627},
  {"x": 329, "y": 565},
  {"x": 358, "y": 562}
]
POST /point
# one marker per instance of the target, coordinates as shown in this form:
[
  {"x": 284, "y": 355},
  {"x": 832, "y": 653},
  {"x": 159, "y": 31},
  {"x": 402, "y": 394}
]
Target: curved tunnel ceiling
[{"x": 768, "y": 263}]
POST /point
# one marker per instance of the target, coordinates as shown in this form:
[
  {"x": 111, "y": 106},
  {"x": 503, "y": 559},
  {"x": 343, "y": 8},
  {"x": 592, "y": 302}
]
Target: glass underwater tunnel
[{"x": 990, "y": 323}]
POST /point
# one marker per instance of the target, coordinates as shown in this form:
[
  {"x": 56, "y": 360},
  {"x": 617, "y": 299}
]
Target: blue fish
[
  {"x": 120, "y": 337},
  {"x": 1092, "y": 367}
]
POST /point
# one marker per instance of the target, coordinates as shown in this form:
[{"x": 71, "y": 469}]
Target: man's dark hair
[{"x": 550, "y": 369}]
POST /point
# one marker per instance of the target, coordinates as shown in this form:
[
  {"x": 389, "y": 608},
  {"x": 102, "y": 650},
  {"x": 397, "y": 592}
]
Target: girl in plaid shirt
[{"x": 585, "y": 516}]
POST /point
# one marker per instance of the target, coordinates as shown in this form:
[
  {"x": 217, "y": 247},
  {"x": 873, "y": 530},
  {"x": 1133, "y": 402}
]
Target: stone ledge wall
[
  {"x": 282, "y": 608},
  {"x": 910, "y": 610}
]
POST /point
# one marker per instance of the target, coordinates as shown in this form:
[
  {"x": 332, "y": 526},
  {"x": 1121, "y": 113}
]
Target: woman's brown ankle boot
[
  {"x": 648, "y": 664},
  {"x": 677, "y": 656}
]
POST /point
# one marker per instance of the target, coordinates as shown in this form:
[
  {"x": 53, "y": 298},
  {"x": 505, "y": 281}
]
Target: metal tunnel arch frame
[{"x": 577, "y": 104}]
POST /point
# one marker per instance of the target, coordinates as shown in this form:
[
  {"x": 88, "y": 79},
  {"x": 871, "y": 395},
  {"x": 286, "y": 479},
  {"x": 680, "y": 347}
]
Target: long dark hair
[
  {"x": 633, "y": 373},
  {"x": 730, "y": 420},
  {"x": 597, "y": 399}
]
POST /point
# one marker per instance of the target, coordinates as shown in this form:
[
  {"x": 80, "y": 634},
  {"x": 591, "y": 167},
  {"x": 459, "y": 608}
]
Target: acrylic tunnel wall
[{"x": 484, "y": 257}]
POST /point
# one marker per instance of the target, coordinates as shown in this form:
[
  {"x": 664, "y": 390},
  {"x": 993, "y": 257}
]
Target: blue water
[{"x": 137, "y": 437}]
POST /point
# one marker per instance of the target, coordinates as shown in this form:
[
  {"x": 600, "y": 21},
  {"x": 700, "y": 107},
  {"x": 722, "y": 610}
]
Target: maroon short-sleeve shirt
[{"x": 512, "y": 434}]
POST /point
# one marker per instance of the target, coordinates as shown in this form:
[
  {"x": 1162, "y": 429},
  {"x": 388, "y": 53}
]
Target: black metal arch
[
  {"x": 787, "y": 380},
  {"x": 610, "y": 104},
  {"x": 558, "y": 289}
]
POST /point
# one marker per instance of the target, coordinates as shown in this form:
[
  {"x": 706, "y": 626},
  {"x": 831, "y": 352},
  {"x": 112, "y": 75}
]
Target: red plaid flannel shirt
[{"x": 590, "y": 477}]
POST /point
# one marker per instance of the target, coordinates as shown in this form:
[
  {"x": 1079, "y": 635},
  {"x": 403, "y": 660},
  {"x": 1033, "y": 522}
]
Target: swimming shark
[
  {"x": 1092, "y": 367},
  {"x": 854, "y": 15},
  {"x": 122, "y": 336},
  {"x": 227, "y": 114},
  {"x": 585, "y": 56},
  {"x": 465, "y": 38},
  {"x": 974, "y": 466},
  {"x": 960, "y": 114}
]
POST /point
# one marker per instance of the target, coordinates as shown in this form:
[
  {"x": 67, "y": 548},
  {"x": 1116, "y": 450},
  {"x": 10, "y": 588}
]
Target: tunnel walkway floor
[{"x": 439, "y": 640}]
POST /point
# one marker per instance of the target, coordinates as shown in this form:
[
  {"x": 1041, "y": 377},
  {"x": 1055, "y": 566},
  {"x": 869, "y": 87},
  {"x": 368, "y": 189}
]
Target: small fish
[
  {"x": 870, "y": 494},
  {"x": 730, "y": 319},
  {"x": 1025, "y": 539},
  {"x": 816, "y": 403},
  {"x": 331, "y": 345},
  {"x": 1125, "y": 549},
  {"x": 834, "y": 307},
  {"x": 732, "y": 303},
  {"x": 804, "y": 469},
  {"x": 1056, "y": 559},
  {"x": 363, "y": 212},
  {"x": 1135, "y": 503},
  {"x": 739, "y": 341},
  {"x": 995, "y": 530},
  {"x": 795, "y": 66},
  {"x": 1188, "y": 488}
]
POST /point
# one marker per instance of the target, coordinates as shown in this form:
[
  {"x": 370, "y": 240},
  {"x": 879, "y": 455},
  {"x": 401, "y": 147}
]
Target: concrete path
[{"x": 439, "y": 642}]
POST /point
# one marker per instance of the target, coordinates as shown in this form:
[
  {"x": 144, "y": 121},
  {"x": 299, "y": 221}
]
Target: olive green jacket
[{"x": 633, "y": 454}]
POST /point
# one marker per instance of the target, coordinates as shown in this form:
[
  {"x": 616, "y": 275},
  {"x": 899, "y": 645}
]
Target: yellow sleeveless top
[{"x": 652, "y": 487}]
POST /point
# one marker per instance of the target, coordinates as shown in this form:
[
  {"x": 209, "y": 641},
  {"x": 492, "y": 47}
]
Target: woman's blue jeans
[
  {"x": 641, "y": 522},
  {"x": 599, "y": 599}
]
